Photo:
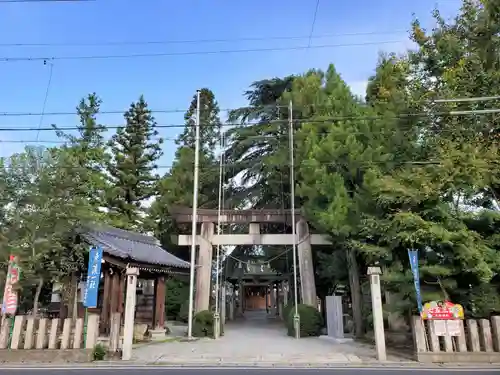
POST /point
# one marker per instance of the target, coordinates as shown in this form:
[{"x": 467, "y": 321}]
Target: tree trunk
[
  {"x": 71, "y": 296},
  {"x": 356, "y": 297},
  {"x": 37, "y": 297}
]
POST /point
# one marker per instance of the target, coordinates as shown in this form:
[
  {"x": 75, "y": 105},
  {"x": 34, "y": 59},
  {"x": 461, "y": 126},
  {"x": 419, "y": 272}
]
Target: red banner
[{"x": 10, "y": 299}]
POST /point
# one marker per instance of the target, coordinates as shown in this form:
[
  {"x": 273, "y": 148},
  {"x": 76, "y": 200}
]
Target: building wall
[{"x": 255, "y": 302}]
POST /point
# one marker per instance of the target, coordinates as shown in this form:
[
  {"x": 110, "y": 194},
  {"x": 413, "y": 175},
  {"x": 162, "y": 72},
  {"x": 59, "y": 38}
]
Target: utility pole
[
  {"x": 296, "y": 316},
  {"x": 218, "y": 307},
  {"x": 194, "y": 214}
]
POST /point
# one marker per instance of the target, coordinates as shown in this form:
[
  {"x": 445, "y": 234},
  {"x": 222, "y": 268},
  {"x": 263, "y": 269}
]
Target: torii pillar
[
  {"x": 306, "y": 267},
  {"x": 207, "y": 238},
  {"x": 204, "y": 270}
]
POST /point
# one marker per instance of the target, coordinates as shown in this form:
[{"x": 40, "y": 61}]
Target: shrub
[
  {"x": 98, "y": 352},
  {"x": 183, "y": 314},
  {"x": 286, "y": 312},
  {"x": 177, "y": 293},
  {"x": 203, "y": 324},
  {"x": 311, "y": 321}
]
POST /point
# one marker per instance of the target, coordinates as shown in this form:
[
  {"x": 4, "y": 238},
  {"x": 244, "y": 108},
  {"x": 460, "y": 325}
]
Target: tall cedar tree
[
  {"x": 131, "y": 169},
  {"x": 176, "y": 186},
  {"x": 88, "y": 150}
]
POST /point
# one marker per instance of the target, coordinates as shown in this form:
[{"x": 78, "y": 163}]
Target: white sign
[
  {"x": 439, "y": 327},
  {"x": 447, "y": 327},
  {"x": 454, "y": 327}
]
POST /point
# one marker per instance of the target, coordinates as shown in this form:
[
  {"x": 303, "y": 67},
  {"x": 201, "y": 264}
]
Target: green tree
[
  {"x": 135, "y": 151},
  {"x": 336, "y": 146},
  {"x": 176, "y": 187},
  {"x": 443, "y": 165},
  {"x": 42, "y": 217},
  {"x": 88, "y": 148},
  {"x": 257, "y": 149}
]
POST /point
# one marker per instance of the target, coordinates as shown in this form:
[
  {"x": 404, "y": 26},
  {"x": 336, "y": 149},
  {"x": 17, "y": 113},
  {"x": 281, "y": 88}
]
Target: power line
[
  {"x": 313, "y": 23},
  {"x": 47, "y": 90},
  {"x": 246, "y": 165},
  {"x": 44, "y": 1},
  {"x": 284, "y": 121},
  {"x": 192, "y": 53},
  {"x": 272, "y": 106},
  {"x": 198, "y": 41},
  {"x": 158, "y": 139}
]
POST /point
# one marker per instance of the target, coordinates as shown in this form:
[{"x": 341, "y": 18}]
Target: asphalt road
[{"x": 240, "y": 371}]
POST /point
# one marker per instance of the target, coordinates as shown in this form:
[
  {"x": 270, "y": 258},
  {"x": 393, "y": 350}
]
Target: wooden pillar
[
  {"x": 121, "y": 295},
  {"x": 159, "y": 309},
  {"x": 115, "y": 294},
  {"x": 104, "y": 326}
]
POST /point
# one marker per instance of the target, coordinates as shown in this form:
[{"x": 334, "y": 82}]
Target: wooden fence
[
  {"x": 27, "y": 332},
  {"x": 472, "y": 340}
]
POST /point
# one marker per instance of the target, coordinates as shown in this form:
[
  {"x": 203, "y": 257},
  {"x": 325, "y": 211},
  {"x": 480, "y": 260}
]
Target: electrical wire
[
  {"x": 45, "y": 1},
  {"x": 313, "y": 24},
  {"x": 199, "y": 41},
  {"x": 273, "y": 106},
  {"x": 299, "y": 121},
  {"x": 47, "y": 90},
  {"x": 193, "y": 53},
  {"x": 173, "y": 139}
]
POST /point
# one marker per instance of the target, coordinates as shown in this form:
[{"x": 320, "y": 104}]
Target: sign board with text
[
  {"x": 91, "y": 290},
  {"x": 442, "y": 310}
]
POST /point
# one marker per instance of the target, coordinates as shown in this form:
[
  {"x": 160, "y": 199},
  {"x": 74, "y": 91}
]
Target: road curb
[{"x": 259, "y": 365}]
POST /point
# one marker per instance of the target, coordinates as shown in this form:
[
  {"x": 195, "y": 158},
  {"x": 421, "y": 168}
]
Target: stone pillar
[
  {"x": 128, "y": 329},
  {"x": 485, "y": 337},
  {"x": 17, "y": 332},
  {"x": 5, "y": 331},
  {"x": 223, "y": 306},
  {"x": 53, "y": 334},
  {"x": 306, "y": 268},
  {"x": 92, "y": 331},
  {"x": 41, "y": 336},
  {"x": 204, "y": 270},
  {"x": 419, "y": 336},
  {"x": 280, "y": 306},
  {"x": 284, "y": 287},
  {"x": 273, "y": 301},
  {"x": 78, "y": 333},
  {"x": 473, "y": 336},
  {"x": 231, "y": 306},
  {"x": 240, "y": 297},
  {"x": 378, "y": 316},
  {"x": 495, "y": 327},
  {"x": 66, "y": 333},
  {"x": 334, "y": 317}
]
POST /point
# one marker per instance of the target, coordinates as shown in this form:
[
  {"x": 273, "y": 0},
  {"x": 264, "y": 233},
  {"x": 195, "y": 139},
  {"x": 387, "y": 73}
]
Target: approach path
[{"x": 256, "y": 339}]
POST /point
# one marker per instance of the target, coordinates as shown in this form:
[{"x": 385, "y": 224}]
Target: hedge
[{"x": 311, "y": 321}]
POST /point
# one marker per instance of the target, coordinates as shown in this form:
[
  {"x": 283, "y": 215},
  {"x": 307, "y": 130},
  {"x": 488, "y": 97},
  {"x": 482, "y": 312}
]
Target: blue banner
[
  {"x": 93, "y": 278},
  {"x": 413, "y": 255}
]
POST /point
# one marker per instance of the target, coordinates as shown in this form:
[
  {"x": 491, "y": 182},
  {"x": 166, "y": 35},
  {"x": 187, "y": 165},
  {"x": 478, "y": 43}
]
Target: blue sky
[{"x": 169, "y": 82}]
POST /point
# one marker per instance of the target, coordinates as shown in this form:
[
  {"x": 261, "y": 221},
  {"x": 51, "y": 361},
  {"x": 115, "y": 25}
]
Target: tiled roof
[{"x": 130, "y": 245}]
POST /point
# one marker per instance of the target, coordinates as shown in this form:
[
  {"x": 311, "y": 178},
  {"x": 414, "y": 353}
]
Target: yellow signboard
[{"x": 442, "y": 310}]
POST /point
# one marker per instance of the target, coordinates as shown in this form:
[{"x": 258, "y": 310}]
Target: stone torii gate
[{"x": 207, "y": 238}]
